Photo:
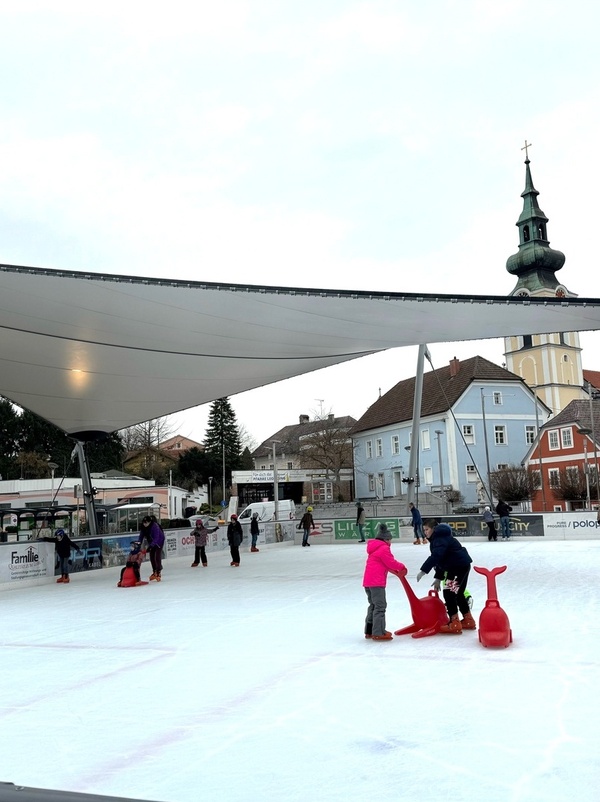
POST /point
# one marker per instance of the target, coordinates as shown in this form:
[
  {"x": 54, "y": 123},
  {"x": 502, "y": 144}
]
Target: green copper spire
[{"x": 536, "y": 262}]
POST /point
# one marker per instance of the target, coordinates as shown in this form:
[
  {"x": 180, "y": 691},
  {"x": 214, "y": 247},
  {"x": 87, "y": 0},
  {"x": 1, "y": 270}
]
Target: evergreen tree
[
  {"x": 9, "y": 437},
  {"x": 223, "y": 431}
]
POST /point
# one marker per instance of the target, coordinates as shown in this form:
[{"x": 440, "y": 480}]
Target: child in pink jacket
[{"x": 380, "y": 562}]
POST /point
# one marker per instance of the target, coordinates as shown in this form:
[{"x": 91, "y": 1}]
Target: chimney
[
  {"x": 304, "y": 418},
  {"x": 454, "y": 367},
  {"x": 331, "y": 416}
]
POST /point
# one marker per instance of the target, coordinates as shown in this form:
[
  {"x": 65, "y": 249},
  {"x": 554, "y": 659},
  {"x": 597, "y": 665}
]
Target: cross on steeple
[{"x": 527, "y": 145}]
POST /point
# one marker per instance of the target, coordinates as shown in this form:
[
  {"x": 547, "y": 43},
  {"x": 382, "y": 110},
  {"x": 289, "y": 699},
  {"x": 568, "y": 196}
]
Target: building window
[
  {"x": 381, "y": 480},
  {"x": 553, "y": 442},
  {"x": 497, "y": 396},
  {"x": 468, "y": 431},
  {"x": 379, "y": 447},
  {"x": 500, "y": 435},
  {"x": 566, "y": 436},
  {"x": 572, "y": 473},
  {"x": 395, "y": 444},
  {"x": 372, "y": 482},
  {"x": 553, "y": 477},
  {"x": 529, "y": 435},
  {"x": 369, "y": 449},
  {"x": 471, "y": 473},
  {"x": 428, "y": 476},
  {"x": 425, "y": 441},
  {"x": 527, "y": 341},
  {"x": 537, "y": 479},
  {"x": 290, "y": 466},
  {"x": 322, "y": 492},
  {"x": 502, "y": 466}
]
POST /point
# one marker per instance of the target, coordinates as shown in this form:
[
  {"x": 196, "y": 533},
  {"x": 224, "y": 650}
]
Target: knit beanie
[{"x": 383, "y": 533}]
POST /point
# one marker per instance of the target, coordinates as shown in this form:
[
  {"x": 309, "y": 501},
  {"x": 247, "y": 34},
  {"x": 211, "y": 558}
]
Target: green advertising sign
[{"x": 348, "y": 530}]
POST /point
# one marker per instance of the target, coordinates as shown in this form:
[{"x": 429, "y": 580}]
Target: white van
[{"x": 266, "y": 511}]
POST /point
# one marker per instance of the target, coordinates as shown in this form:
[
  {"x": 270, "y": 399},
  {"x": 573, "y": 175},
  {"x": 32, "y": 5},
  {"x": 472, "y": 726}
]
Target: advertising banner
[{"x": 29, "y": 560}]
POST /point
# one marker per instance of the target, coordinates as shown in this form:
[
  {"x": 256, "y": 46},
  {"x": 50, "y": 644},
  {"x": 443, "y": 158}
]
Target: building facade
[{"x": 476, "y": 418}]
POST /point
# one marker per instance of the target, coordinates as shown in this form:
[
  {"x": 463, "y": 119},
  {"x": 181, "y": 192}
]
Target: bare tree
[
  {"x": 514, "y": 483},
  {"x": 247, "y": 440},
  {"x": 149, "y": 434},
  {"x": 328, "y": 448},
  {"x": 569, "y": 484}
]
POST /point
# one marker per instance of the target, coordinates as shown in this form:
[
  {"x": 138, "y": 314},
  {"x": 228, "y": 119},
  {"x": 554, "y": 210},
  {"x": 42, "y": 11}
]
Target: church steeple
[{"x": 536, "y": 262}]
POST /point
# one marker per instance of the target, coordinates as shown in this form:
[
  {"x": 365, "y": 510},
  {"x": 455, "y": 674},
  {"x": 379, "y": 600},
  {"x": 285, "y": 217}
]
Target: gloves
[
  {"x": 420, "y": 575},
  {"x": 437, "y": 585}
]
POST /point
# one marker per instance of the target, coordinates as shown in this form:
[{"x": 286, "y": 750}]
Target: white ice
[{"x": 256, "y": 683}]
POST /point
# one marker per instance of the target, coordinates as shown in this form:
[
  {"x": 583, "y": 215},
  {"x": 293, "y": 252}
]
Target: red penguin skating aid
[
  {"x": 494, "y": 626},
  {"x": 429, "y": 613}
]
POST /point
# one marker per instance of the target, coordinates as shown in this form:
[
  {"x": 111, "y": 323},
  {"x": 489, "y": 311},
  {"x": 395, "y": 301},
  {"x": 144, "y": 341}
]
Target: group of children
[{"x": 451, "y": 563}]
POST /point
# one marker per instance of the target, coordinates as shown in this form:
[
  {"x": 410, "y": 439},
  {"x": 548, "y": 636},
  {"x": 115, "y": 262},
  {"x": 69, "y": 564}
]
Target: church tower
[{"x": 549, "y": 363}]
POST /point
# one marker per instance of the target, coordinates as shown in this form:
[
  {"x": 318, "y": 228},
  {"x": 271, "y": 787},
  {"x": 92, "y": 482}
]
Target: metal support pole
[
  {"x": 438, "y": 434},
  {"x": 275, "y": 484},
  {"x": 487, "y": 451},
  {"x": 413, "y": 466},
  {"x": 88, "y": 491},
  {"x": 539, "y": 445}
]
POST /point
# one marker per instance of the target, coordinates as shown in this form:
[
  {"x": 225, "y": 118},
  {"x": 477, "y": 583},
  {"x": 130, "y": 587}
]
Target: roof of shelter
[
  {"x": 441, "y": 390},
  {"x": 94, "y": 353}
]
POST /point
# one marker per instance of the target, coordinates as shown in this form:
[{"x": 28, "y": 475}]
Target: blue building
[{"x": 475, "y": 418}]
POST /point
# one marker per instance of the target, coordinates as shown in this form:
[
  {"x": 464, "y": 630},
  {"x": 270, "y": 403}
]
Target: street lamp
[
  {"x": 210, "y": 481},
  {"x": 439, "y": 433},
  {"x": 275, "y": 484},
  {"x": 53, "y": 466},
  {"x": 586, "y": 468}
]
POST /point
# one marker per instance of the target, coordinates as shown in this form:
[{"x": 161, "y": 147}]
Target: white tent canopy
[{"x": 95, "y": 353}]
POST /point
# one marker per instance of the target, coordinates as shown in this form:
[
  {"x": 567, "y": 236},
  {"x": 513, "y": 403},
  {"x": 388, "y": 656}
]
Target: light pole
[
  {"x": 210, "y": 481},
  {"x": 415, "y": 478},
  {"x": 223, "y": 470},
  {"x": 487, "y": 451},
  {"x": 438, "y": 434},
  {"x": 275, "y": 483},
  {"x": 586, "y": 468},
  {"x": 53, "y": 466}
]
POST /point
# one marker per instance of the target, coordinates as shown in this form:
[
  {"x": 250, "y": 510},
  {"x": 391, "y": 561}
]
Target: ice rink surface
[{"x": 256, "y": 683}]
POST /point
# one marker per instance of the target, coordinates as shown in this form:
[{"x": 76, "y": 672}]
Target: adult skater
[
  {"x": 153, "y": 534},
  {"x": 254, "y": 531}
]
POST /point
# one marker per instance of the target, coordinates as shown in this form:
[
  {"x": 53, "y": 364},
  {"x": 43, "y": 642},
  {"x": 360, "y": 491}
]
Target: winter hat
[
  {"x": 383, "y": 533},
  {"x": 234, "y": 517},
  {"x": 444, "y": 529},
  {"x": 135, "y": 543},
  {"x": 487, "y": 509},
  {"x": 59, "y": 533}
]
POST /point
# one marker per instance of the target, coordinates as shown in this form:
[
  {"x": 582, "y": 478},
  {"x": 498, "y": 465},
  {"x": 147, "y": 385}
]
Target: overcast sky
[{"x": 368, "y": 145}]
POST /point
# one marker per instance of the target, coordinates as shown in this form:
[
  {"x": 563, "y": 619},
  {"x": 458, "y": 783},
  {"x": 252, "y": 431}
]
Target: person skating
[
  {"x": 306, "y": 524},
  {"x": 62, "y": 545},
  {"x": 380, "y": 562},
  {"x": 488, "y": 517},
  {"x": 503, "y": 509},
  {"x": 417, "y": 525},
  {"x": 254, "y": 531},
  {"x": 361, "y": 518},
  {"x": 201, "y": 533},
  {"x": 452, "y": 562},
  {"x": 152, "y": 532},
  {"x": 135, "y": 559},
  {"x": 235, "y": 535}
]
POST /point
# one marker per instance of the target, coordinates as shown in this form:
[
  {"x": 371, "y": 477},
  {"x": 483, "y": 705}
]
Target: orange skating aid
[
  {"x": 494, "y": 626},
  {"x": 429, "y": 613}
]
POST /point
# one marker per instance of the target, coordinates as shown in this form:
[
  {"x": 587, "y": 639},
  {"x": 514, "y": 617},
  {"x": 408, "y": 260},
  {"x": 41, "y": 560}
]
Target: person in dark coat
[
  {"x": 235, "y": 535},
  {"x": 254, "y": 531},
  {"x": 153, "y": 534},
  {"x": 417, "y": 525},
  {"x": 504, "y": 510},
  {"x": 361, "y": 517},
  {"x": 62, "y": 545},
  {"x": 134, "y": 560},
  {"x": 452, "y": 562},
  {"x": 306, "y": 524}
]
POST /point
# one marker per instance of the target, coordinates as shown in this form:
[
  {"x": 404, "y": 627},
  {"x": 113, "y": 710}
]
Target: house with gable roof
[{"x": 475, "y": 418}]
